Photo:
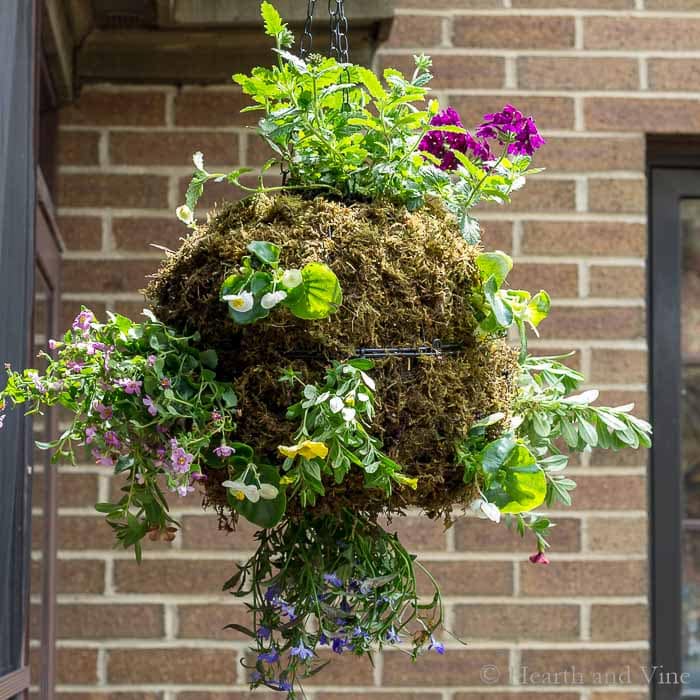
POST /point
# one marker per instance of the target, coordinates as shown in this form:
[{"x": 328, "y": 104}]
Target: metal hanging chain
[
  {"x": 306, "y": 42},
  {"x": 340, "y": 46}
]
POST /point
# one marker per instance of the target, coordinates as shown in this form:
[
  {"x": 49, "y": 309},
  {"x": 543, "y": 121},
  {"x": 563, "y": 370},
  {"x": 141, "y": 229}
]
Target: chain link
[
  {"x": 340, "y": 46},
  {"x": 307, "y": 39}
]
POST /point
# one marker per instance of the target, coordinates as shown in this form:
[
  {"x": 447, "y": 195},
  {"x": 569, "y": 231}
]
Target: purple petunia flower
[
  {"x": 510, "y": 126},
  {"x": 148, "y": 403},
  {"x": 442, "y": 144},
  {"x": 269, "y": 657},
  {"x": 301, "y": 652},
  {"x": 333, "y": 580},
  {"x": 223, "y": 451},
  {"x": 436, "y": 646}
]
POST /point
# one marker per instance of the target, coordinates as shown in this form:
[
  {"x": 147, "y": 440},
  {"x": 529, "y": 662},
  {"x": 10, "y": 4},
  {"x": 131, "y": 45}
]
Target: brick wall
[{"x": 597, "y": 74}]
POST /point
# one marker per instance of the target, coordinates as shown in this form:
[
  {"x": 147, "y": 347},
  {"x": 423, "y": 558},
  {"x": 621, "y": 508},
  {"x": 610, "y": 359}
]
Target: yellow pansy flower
[{"x": 307, "y": 448}]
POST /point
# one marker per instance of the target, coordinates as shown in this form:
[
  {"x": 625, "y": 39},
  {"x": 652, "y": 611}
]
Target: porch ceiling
[{"x": 182, "y": 41}]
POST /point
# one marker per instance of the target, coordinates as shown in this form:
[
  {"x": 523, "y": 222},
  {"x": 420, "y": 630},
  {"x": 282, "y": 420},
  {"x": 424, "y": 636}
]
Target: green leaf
[
  {"x": 272, "y": 19},
  {"x": 538, "y": 308},
  {"x": 370, "y": 81},
  {"x": 495, "y": 454},
  {"x": 208, "y": 358},
  {"x": 319, "y": 294},
  {"x": 496, "y": 264},
  {"x": 520, "y": 491},
  {"x": 266, "y": 252}
]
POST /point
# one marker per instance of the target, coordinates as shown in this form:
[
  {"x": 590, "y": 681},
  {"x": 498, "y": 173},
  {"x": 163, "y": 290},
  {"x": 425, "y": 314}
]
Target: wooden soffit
[{"x": 184, "y": 41}]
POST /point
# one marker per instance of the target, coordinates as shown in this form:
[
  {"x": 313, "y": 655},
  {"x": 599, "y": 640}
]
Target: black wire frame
[{"x": 668, "y": 186}]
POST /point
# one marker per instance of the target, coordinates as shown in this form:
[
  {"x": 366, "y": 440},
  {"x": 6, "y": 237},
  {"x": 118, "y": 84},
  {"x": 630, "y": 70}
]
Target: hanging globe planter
[{"x": 328, "y": 353}]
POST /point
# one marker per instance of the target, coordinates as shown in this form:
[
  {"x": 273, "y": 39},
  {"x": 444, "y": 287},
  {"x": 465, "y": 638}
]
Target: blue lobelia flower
[
  {"x": 301, "y": 652},
  {"x": 272, "y": 656},
  {"x": 434, "y": 645},
  {"x": 392, "y": 636},
  {"x": 333, "y": 580}
]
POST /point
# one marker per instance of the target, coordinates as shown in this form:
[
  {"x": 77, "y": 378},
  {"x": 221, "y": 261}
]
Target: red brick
[
  {"x": 419, "y": 533},
  {"x": 561, "y": 281},
  {"x": 612, "y": 535},
  {"x": 682, "y": 74},
  {"x": 539, "y": 196},
  {"x": 70, "y": 309},
  {"x": 172, "y": 576},
  {"x": 621, "y": 397},
  {"x": 619, "y": 281},
  {"x": 138, "y": 233},
  {"x": 107, "y": 695},
  {"x": 518, "y": 696},
  {"x": 587, "y": 578},
  {"x": 563, "y": 73},
  {"x": 576, "y": 154},
  {"x": 77, "y": 147},
  {"x": 633, "y": 114},
  {"x": 622, "y": 458},
  {"x": 575, "y": 4},
  {"x": 497, "y": 235},
  {"x": 671, "y": 5},
  {"x": 629, "y": 33},
  {"x": 214, "y": 666},
  {"x": 605, "y": 322},
  {"x": 415, "y": 31},
  {"x": 73, "y": 490},
  {"x": 613, "y": 366},
  {"x": 350, "y": 671},
  {"x": 608, "y": 238},
  {"x": 73, "y": 666},
  {"x": 172, "y": 148},
  {"x": 241, "y": 695},
  {"x": 81, "y": 232},
  {"x": 619, "y": 623},
  {"x": 118, "y": 275},
  {"x": 609, "y": 493},
  {"x": 208, "y": 621},
  {"x": 614, "y": 695},
  {"x": 586, "y": 662},
  {"x": 96, "y": 107},
  {"x": 550, "y": 112},
  {"x": 617, "y": 196},
  {"x": 477, "y": 535},
  {"x": 481, "y": 622},
  {"x": 201, "y": 532},
  {"x": 213, "y": 107},
  {"x": 108, "y": 621},
  {"x": 454, "y": 71},
  {"x": 468, "y": 577},
  {"x": 352, "y": 695},
  {"x": 454, "y": 668},
  {"x": 519, "y": 32},
  {"x": 118, "y": 191},
  {"x": 84, "y": 532},
  {"x": 74, "y": 576}
]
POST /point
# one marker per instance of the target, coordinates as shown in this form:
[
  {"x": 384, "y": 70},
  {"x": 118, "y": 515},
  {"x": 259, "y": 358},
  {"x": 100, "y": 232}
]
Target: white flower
[
  {"x": 241, "y": 490},
  {"x": 240, "y": 302},
  {"x": 198, "y": 160},
  {"x": 336, "y": 404},
  {"x": 349, "y": 414},
  {"x": 268, "y": 491},
  {"x": 362, "y": 397},
  {"x": 292, "y": 278},
  {"x": 484, "y": 509},
  {"x": 271, "y": 299},
  {"x": 369, "y": 382},
  {"x": 184, "y": 213}
]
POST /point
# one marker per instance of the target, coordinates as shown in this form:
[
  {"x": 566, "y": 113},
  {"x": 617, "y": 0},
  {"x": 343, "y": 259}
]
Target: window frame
[{"x": 673, "y": 175}]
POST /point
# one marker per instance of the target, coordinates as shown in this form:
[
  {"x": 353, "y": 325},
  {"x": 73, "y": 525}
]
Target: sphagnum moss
[{"x": 406, "y": 280}]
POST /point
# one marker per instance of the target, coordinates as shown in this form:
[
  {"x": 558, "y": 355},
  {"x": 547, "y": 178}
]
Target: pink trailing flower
[
  {"x": 148, "y": 403},
  {"x": 112, "y": 440},
  {"x": 83, "y": 321},
  {"x": 539, "y": 558},
  {"x": 105, "y": 412},
  {"x": 102, "y": 459},
  {"x": 90, "y": 433},
  {"x": 151, "y": 360},
  {"x": 181, "y": 460},
  {"x": 130, "y": 386},
  {"x": 223, "y": 451},
  {"x": 74, "y": 366}
]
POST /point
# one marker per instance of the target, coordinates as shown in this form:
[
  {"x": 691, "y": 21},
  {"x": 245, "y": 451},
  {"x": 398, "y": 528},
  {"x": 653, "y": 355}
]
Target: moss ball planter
[{"x": 328, "y": 354}]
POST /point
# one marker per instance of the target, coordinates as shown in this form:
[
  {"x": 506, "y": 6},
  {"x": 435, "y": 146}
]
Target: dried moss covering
[{"x": 405, "y": 279}]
